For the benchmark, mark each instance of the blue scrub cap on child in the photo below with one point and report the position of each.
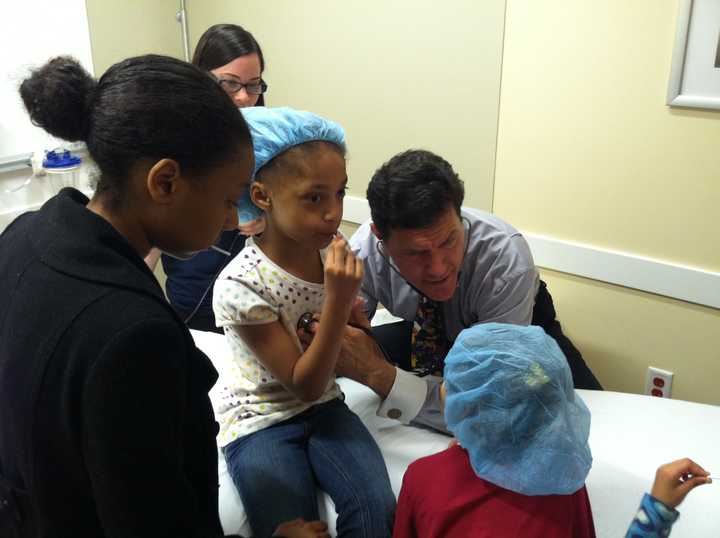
(275, 130)
(511, 404)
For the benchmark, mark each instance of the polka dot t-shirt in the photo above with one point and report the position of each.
(252, 290)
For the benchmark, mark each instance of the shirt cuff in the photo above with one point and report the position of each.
(405, 399)
(667, 514)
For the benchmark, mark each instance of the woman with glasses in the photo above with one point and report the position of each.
(235, 58)
(232, 54)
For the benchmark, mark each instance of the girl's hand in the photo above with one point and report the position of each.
(673, 481)
(299, 528)
(343, 274)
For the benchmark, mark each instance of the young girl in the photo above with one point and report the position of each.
(284, 427)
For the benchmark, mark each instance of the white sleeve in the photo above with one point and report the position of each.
(405, 399)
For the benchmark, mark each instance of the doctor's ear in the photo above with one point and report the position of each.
(375, 231)
(260, 195)
(163, 180)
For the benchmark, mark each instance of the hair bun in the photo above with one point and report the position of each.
(58, 98)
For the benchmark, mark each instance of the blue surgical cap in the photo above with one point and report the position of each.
(275, 130)
(511, 404)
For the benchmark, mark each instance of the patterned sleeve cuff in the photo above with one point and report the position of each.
(654, 519)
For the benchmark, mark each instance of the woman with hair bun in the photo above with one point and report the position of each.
(106, 428)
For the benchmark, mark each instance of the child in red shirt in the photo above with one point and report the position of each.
(522, 459)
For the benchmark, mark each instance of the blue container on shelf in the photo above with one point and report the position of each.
(62, 169)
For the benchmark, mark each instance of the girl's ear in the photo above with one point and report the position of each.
(260, 196)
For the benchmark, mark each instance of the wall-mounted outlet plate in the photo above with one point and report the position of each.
(658, 382)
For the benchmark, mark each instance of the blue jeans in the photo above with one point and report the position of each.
(278, 469)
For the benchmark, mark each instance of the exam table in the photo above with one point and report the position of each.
(630, 436)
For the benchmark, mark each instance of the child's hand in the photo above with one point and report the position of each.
(299, 528)
(673, 481)
(343, 274)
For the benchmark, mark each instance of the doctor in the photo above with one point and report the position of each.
(441, 269)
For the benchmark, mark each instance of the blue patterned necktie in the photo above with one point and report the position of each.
(429, 339)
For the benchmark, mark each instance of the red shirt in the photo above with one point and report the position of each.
(442, 497)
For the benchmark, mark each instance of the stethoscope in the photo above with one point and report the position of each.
(436, 363)
(308, 318)
(387, 259)
(224, 252)
(244, 215)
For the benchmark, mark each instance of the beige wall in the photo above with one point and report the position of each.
(586, 148)
(588, 151)
(123, 28)
(621, 332)
(396, 75)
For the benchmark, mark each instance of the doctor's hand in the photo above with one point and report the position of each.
(299, 528)
(357, 314)
(360, 357)
(673, 481)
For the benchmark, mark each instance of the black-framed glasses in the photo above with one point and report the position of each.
(233, 86)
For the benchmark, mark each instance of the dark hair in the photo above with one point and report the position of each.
(221, 44)
(292, 161)
(143, 107)
(412, 190)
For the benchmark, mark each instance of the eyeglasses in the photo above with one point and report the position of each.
(232, 86)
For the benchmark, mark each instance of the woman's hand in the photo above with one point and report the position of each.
(673, 481)
(299, 528)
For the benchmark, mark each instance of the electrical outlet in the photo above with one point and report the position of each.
(658, 382)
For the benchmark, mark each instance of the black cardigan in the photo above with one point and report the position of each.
(106, 428)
